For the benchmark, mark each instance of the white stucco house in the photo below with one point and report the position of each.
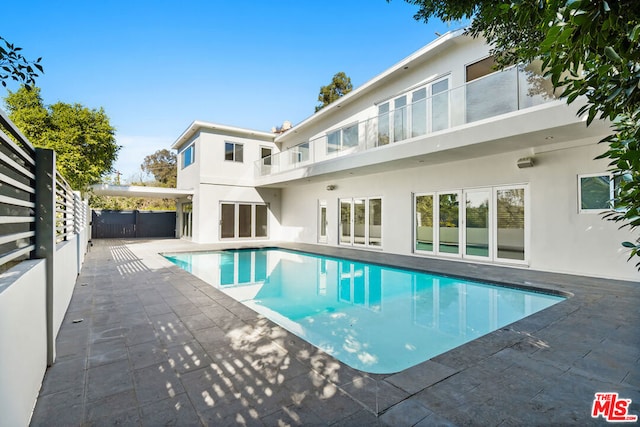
(438, 156)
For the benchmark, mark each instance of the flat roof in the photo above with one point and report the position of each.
(225, 129)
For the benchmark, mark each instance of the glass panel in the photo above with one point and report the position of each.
(424, 223)
(449, 235)
(477, 224)
(492, 95)
(595, 192)
(323, 221)
(350, 136)
(265, 153)
(228, 151)
(303, 150)
(187, 219)
(244, 220)
(228, 226)
(333, 141)
(419, 112)
(383, 124)
(239, 153)
(188, 156)
(261, 220)
(400, 119)
(510, 213)
(440, 105)
(359, 221)
(345, 221)
(375, 222)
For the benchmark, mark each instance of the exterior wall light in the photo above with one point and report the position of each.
(331, 187)
(525, 162)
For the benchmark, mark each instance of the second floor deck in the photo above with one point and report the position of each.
(435, 109)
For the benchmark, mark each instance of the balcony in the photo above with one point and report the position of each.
(513, 89)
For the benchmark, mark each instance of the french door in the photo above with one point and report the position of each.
(361, 221)
(243, 220)
(488, 224)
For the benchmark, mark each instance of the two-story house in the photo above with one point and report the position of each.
(438, 156)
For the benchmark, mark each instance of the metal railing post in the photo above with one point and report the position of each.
(45, 187)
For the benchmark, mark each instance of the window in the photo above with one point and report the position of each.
(480, 68)
(361, 221)
(187, 219)
(595, 192)
(342, 139)
(265, 154)
(383, 124)
(188, 155)
(240, 220)
(233, 152)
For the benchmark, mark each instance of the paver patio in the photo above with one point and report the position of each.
(146, 343)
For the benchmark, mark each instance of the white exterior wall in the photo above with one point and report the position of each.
(206, 212)
(23, 340)
(561, 239)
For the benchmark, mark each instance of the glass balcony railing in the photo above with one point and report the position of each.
(499, 93)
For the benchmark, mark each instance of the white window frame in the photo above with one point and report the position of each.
(366, 244)
(235, 152)
(611, 192)
(189, 150)
(493, 224)
(236, 221)
(341, 147)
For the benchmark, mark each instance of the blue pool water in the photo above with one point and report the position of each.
(373, 318)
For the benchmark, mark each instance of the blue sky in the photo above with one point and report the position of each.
(155, 66)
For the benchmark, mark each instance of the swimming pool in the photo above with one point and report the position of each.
(373, 318)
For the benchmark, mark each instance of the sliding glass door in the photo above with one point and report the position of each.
(485, 224)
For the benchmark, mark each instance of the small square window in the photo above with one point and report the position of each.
(595, 192)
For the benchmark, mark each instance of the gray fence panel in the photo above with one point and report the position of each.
(109, 224)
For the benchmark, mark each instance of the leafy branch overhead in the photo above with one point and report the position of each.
(340, 85)
(591, 51)
(14, 66)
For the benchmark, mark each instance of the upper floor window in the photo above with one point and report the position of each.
(480, 68)
(188, 155)
(233, 151)
(265, 154)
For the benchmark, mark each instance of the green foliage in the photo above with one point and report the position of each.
(82, 138)
(340, 85)
(131, 203)
(14, 66)
(590, 49)
(163, 165)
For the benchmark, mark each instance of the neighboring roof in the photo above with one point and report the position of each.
(197, 125)
(140, 191)
(419, 56)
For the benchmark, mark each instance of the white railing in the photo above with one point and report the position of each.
(499, 93)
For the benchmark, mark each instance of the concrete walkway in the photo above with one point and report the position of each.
(146, 343)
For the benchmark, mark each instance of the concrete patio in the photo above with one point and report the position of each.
(146, 343)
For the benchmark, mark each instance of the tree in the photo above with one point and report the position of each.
(82, 138)
(590, 49)
(163, 166)
(13, 65)
(340, 85)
